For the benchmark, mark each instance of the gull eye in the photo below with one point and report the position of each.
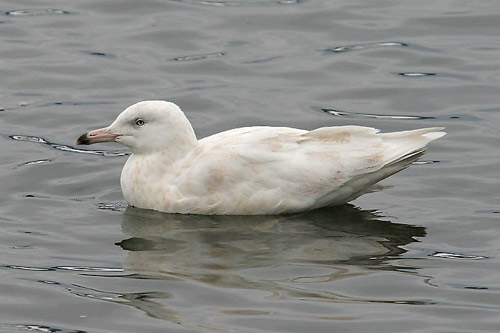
(139, 122)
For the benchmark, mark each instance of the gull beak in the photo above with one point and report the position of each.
(96, 136)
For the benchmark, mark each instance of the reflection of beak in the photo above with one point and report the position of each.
(96, 136)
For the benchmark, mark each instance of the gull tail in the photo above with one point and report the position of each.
(403, 148)
(404, 145)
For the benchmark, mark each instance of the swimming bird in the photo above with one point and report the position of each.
(251, 170)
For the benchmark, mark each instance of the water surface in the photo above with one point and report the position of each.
(418, 256)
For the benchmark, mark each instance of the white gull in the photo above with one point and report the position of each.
(251, 170)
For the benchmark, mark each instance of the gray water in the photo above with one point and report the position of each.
(419, 256)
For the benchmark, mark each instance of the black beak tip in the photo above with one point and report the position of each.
(83, 140)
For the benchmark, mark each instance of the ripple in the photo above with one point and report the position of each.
(89, 269)
(476, 288)
(488, 211)
(340, 113)
(356, 47)
(415, 74)
(84, 291)
(21, 247)
(36, 328)
(27, 268)
(82, 199)
(469, 286)
(35, 196)
(98, 54)
(35, 162)
(65, 268)
(426, 162)
(37, 12)
(197, 57)
(113, 206)
(142, 301)
(411, 302)
(450, 255)
(66, 148)
(34, 233)
(245, 3)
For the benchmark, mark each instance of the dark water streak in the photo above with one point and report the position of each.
(66, 148)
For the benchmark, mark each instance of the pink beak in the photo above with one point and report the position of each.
(96, 136)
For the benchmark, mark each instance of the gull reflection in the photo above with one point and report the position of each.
(279, 255)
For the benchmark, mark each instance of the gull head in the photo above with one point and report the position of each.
(146, 127)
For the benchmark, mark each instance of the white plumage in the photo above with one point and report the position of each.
(251, 170)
